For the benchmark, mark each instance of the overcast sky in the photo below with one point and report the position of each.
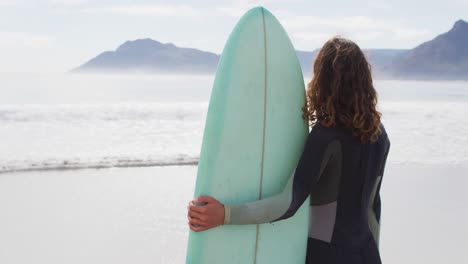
(57, 35)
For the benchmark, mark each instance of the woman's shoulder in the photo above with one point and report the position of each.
(337, 132)
(326, 134)
(330, 131)
(382, 129)
(383, 134)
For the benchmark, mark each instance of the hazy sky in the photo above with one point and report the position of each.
(57, 35)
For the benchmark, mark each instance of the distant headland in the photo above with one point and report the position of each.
(443, 58)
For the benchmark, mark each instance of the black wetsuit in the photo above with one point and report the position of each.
(343, 178)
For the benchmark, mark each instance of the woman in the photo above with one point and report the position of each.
(340, 168)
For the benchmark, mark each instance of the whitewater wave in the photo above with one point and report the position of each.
(108, 162)
(62, 137)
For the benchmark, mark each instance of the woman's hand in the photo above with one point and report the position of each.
(204, 217)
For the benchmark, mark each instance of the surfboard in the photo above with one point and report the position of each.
(254, 136)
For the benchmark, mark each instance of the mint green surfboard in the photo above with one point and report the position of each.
(254, 136)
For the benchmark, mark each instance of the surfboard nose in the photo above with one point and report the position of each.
(256, 13)
(258, 10)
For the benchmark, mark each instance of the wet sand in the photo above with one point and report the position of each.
(137, 215)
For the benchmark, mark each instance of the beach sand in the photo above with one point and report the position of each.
(138, 215)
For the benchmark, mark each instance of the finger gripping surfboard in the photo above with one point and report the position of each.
(254, 136)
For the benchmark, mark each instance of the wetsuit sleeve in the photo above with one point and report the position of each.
(285, 204)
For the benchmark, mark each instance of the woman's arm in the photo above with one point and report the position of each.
(261, 211)
(315, 156)
(313, 161)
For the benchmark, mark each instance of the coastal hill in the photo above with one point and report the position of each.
(147, 55)
(444, 57)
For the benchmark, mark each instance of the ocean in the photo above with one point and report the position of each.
(84, 174)
(97, 121)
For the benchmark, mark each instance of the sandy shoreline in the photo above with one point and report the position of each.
(137, 215)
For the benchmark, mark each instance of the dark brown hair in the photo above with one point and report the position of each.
(341, 91)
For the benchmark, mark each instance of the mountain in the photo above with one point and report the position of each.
(444, 57)
(148, 55)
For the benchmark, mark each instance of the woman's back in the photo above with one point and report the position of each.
(345, 200)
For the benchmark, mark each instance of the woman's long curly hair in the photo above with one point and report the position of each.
(341, 91)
